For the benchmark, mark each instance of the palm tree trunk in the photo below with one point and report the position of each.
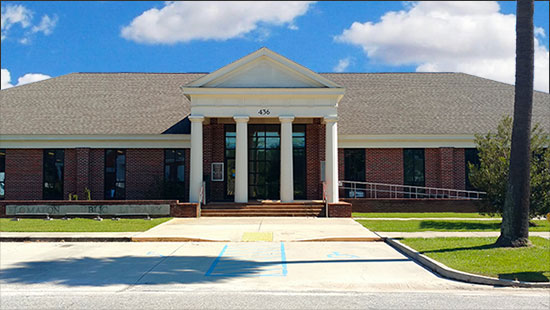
(515, 218)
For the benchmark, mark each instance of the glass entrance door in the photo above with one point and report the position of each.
(264, 146)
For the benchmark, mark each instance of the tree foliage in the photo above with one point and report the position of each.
(491, 175)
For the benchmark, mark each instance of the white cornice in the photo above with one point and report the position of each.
(263, 91)
(263, 52)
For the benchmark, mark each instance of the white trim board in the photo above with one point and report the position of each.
(406, 141)
(184, 141)
(94, 141)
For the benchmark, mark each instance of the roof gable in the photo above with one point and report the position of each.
(263, 69)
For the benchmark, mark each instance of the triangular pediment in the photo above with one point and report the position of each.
(263, 69)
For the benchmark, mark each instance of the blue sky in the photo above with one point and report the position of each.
(49, 39)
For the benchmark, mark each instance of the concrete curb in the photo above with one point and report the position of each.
(339, 239)
(173, 239)
(452, 274)
(65, 239)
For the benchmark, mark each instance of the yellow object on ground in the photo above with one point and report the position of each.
(257, 236)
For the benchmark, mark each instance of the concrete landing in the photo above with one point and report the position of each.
(282, 229)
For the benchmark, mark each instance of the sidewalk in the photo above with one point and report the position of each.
(439, 234)
(236, 229)
(220, 229)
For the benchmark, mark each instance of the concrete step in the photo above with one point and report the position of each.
(260, 214)
(220, 212)
(265, 209)
(216, 207)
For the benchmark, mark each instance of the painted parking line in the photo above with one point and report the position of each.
(250, 260)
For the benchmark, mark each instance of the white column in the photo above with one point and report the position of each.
(331, 158)
(287, 178)
(241, 159)
(195, 179)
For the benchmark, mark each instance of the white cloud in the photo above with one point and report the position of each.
(46, 25)
(342, 65)
(25, 79)
(5, 79)
(14, 14)
(18, 14)
(471, 37)
(31, 78)
(186, 21)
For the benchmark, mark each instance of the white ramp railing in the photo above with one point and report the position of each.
(356, 189)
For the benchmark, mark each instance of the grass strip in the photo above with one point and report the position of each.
(419, 215)
(79, 225)
(443, 225)
(480, 256)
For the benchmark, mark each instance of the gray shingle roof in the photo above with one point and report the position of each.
(152, 103)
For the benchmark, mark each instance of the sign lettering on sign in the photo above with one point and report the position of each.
(264, 112)
(160, 209)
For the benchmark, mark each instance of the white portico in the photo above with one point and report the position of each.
(259, 87)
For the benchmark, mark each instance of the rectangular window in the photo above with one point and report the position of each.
(230, 145)
(354, 170)
(299, 160)
(2, 173)
(174, 165)
(471, 156)
(413, 160)
(54, 164)
(322, 171)
(115, 174)
(174, 174)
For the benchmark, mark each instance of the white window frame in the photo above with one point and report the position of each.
(212, 177)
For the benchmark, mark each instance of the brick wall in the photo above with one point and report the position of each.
(24, 174)
(447, 167)
(144, 173)
(384, 166)
(459, 169)
(96, 176)
(313, 161)
(432, 167)
(413, 205)
(184, 210)
(82, 171)
(215, 155)
(85, 167)
(339, 209)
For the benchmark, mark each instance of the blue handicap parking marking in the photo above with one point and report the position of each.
(250, 260)
(341, 255)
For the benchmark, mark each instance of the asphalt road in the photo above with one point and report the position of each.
(255, 275)
(277, 300)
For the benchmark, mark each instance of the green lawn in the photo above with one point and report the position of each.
(442, 225)
(419, 214)
(479, 256)
(79, 225)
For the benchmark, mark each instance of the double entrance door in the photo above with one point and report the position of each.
(264, 161)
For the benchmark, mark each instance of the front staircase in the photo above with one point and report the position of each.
(304, 209)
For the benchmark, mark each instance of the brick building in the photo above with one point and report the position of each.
(262, 127)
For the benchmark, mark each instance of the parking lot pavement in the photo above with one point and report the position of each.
(242, 266)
